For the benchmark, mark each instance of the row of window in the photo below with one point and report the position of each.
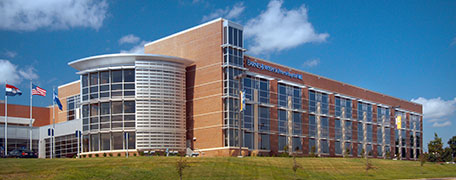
(108, 115)
(264, 126)
(232, 36)
(108, 141)
(106, 77)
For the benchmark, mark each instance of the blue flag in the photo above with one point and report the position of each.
(57, 100)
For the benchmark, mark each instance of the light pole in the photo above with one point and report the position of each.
(239, 78)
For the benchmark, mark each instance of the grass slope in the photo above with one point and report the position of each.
(218, 168)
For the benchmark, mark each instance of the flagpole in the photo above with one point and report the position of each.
(53, 121)
(31, 101)
(6, 122)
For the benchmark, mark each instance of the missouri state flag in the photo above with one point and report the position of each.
(12, 91)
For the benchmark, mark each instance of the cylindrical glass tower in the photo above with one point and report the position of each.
(139, 97)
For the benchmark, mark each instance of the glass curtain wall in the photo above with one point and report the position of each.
(108, 104)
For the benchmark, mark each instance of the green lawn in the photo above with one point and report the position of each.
(218, 168)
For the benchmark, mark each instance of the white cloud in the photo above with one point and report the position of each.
(11, 73)
(311, 63)
(25, 15)
(138, 49)
(277, 29)
(444, 124)
(10, 54)
(228, 13)
(131, 39)
(436, 108)
(28, 73)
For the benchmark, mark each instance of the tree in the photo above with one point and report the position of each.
(312, 151)
(180, 166)
(347, 152)
(296, 165)
(423, 158)
(435, 148)
(452, 144)
(447, 154)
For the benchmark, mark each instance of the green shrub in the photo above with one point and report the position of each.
(96, 155)
(141, 153)
(104, 154)
(118, 154)
(134, 154)
(110, 154)
(84, 156)
(90, 155)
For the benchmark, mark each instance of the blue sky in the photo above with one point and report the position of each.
(405, 49)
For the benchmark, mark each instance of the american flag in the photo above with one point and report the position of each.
(38, 91)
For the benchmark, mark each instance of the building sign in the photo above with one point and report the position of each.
(273, 69)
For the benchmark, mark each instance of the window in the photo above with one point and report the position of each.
(283, 122)
(94, 142)
(324, 146)
(116, 76)
(312, 126)
(94, 78)
(396, 135)
(379, 151)
(264, 141)
(129, 75)
(360, 132)
(369, 132)
(72, 105)
(116, 107)
(93, 109)
(85, 143)
(418, 139)
(264, 91)
(403, 135)
(315, 97)
(360, 150)
(105, 141)
(282, 142)
(348, 148)
(286, 91)
(364, 108)
(131, 140)
(129, 106)
(369, 150)
(248, 140)
(105, 108)
(348, 130)
(248, 117)
(338, 147)
(117, 141)
(312, 146)
(337, 129)
(297, 125)
(297, 144)
(343, 105)
(379, 135)
(324, 127)
(85, 80)
(383, 112)
(263, 119)
(387, 136)
(104, 77)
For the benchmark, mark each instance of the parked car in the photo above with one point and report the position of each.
(22, 153)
